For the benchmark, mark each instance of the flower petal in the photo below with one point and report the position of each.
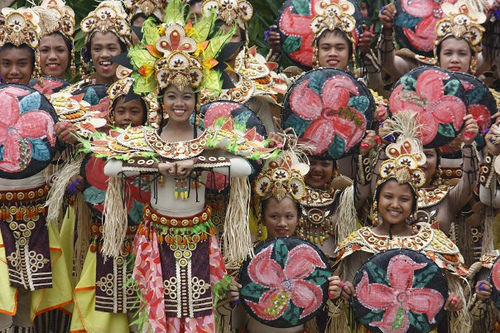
(267, 307)
(265, 271)
(305, 102)
(427, 301)
(218, 110)
(36, 124)
(307, 296)
(319, 135)
(302, 260)
(403, 100)
(429, 127)
(418, 8)
(400, 272)
(430, 85)
(336, 91)
(375, 296)
(395, 320)
(12, 161)
(424, 35)
(350, 131)
(449, 109)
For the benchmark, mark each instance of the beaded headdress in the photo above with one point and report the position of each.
(146, 7)
(177, 53)
(331, 15)
(462, 21)
(124, 87)
(405, 156)
(109, 16)
(230, 11)
(19, 26)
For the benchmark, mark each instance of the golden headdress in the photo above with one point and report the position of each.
(109, 16)
(19, 26)
(146, 7)
(335, 14)
(177, 53)
(230, 11)
(405, 156)
(125, 87)
(463, 20)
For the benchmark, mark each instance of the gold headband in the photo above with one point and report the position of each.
(19, 26)
(335, 15)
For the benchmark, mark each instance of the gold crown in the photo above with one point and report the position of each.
(230, 11)
(333, 15)
(122, 88)
(109, 16)
(146, 7)
(61, 18)
(19, 26)
(461, 21)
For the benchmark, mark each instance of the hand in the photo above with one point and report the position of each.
(348, 290)
(453, 303)
(483, 290)
(275, 140)
(490, 138)
(368, 143)
(75, 184)
(470, 129)
(233, 294)
(380, 114)
(184, 168)
(365, 40)
(386, 17)
(274, 39)
(335, 285)
(64, 132)
(167, 169)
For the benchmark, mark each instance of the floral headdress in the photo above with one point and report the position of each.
(462, 21)
(55, 16)
(21, 26)
(124, 87)
(230, 11)
(109, 16)
(177, 53)
(146, 7)
(405, 156)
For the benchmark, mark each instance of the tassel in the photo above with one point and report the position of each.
(115, 218)
(346, 214)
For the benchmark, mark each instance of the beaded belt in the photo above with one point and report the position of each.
(23, 205)
(97, 230)
(179, 230)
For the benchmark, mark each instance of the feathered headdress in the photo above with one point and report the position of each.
(463, 20)
(177, 53)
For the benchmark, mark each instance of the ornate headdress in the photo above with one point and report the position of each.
(333, 15)
(109, 16)
(462, 21)
(178, 54)
(405, 156)
(55, 16)
(146, 7)
(230, 11)
(124, 87)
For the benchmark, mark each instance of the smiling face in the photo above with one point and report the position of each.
(455, 55)
(431, 163)
(179, 105)
(320, 173)
(395, 202)
(333, 50)
(128, 113)
(54, 55)
(103, 47)
(16, 64)
(280, 217)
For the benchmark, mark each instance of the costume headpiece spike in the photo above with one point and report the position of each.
(146, 7)
(230, 11)
(56, 16)
(19, 26)
(333, 14)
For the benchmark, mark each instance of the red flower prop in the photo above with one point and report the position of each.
(430, 103)
(330, 113)
(399, 298)
(288, 284)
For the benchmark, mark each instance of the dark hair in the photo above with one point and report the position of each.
(438, 48)
(139, 15)
(85, 52)
(219, 23)
(415, 195)
(143, 104)
(335, 32)
(10, 46)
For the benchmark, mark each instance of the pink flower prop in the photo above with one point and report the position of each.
(286, 284)
(425, 32)
(399, 298)
(330, 113)
(430, 104)
(16, 128)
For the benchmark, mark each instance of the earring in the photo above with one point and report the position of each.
(315, 57)
(473, 64)
(73, 65)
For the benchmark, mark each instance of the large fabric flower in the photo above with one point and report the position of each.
(426, 97)
(399, 298)
(330, 113)
(22, 126)
(430, 13)
(286, 284)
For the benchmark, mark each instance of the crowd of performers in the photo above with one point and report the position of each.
(347, 181)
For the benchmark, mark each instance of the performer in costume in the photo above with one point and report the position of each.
(33, 268)
(395, 201)
(139, 11)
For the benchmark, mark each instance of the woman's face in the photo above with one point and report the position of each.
(395, 202)
(455, 55)
(16, 65)
(430, 164)
(103, 47)
(129, 113)
(333, 51)
(280, 217)
(138, 22)
(54, 55)
(179, 105)
(320, 173)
